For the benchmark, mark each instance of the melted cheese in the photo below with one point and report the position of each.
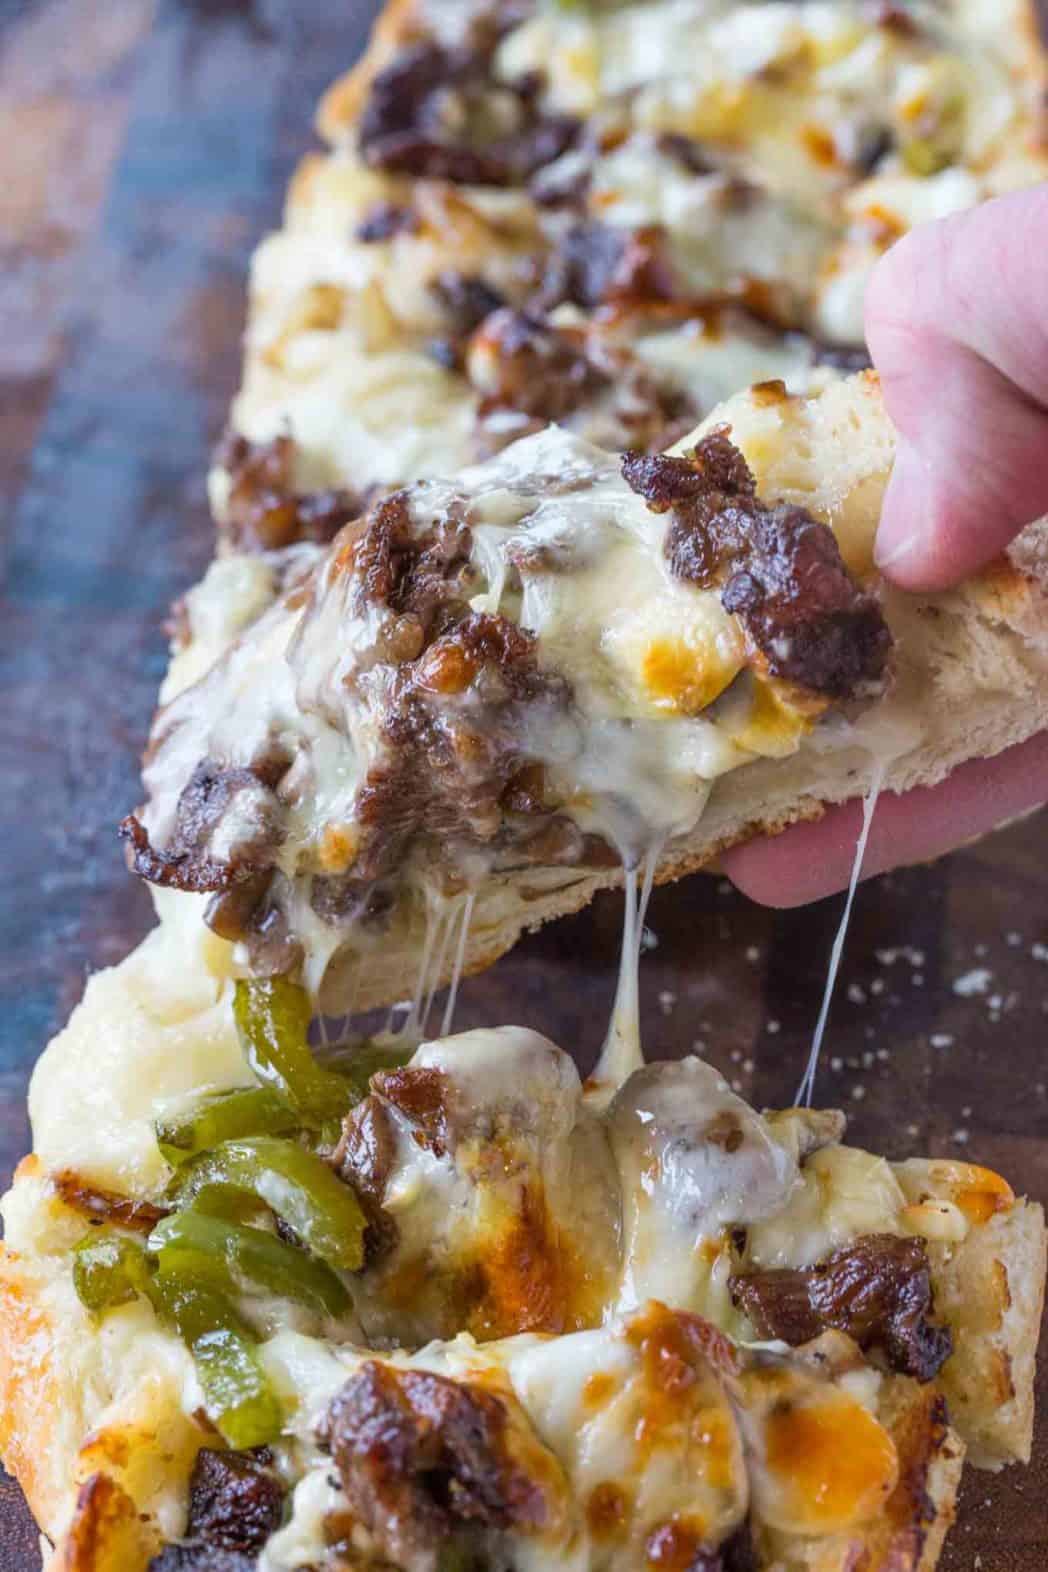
(507, 1219)
(806, 1090)
(693, 1161)
(826, 1464)
(150, 1036)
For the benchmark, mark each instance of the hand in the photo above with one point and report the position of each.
(957, 324)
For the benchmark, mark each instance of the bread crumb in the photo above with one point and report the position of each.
(773, 1027)
(856, 994)
(667, 999)
(973, 982)
(858, 1093)
(941, 1039)
(649, 940)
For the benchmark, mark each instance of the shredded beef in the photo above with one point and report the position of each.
(104, 1206)
(778, 569)
(421, 1457)
(264, 512)
(421, 581)
(598, 264)
(451, 720)
(582, 266)
(187, 863)
(195, 1556)
(465, 301)
(686, 151)
(522, 362)
(441, 114)
(877, 1290)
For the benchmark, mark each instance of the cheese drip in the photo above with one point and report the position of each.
(622, 1052)
(806, 1090)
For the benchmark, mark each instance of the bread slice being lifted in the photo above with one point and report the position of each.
(496, 691)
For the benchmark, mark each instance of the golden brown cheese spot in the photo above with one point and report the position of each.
(679, 679)
(713, 1430)
(764, 394)
(517, 1272)
(339, 844)
(680, 1395)
(599, 1389)
(608, 1511)
(675, 1546)
(978, 1192)
(819, 145)
(832, 1464)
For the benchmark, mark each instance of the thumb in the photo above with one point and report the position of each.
(957, 320)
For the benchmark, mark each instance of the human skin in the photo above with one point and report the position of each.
(957, 324)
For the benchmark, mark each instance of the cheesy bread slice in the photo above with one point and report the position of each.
(579, 1332)
(612, 216)
(493, 693)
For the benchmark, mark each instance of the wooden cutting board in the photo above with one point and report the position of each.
(144, 150)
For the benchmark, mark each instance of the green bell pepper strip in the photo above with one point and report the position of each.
(272, 1017)
(237, 1395)
(200, 1249)
(250, 1110)
(360, 1064)
(109, 1270)
(295, 1184)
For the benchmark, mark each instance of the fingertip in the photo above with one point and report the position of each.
(802, 864)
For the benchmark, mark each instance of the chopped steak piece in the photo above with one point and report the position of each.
(521, 362)
(440, 114)
(598, 264)
(236, 1502)
(581, 268)
(778, 569)
(420, 1456)
(877, 1290)
(263, 510)
(195, 1556)
(235, 1499)
(465, 300)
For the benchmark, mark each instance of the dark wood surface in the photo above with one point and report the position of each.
(143, 150)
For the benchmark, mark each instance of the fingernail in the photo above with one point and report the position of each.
(886, 553)
(903, 529)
